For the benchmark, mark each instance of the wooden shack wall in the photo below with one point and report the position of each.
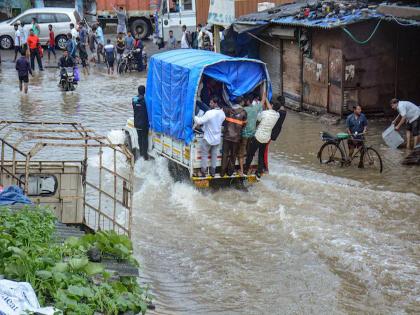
(387, 66)
(369, 69)
(315, 69)
(407, 84)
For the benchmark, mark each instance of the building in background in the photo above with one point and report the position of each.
(11, 8)
(241, 7)
(328, 59)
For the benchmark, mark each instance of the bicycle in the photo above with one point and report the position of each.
(334, 152)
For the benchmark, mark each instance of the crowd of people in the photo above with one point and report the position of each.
(201, 38)
(84, 45)
(246, 126)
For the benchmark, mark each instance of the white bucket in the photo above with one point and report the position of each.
(392, 138)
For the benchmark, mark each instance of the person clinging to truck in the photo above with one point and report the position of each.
(276, 129)
(211, 123)
(268, 119)
(409, 114)
(252, 107)
(141, 120)
(236, 118)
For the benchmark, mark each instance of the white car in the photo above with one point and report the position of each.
(59, 18)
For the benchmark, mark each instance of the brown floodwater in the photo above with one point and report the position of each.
(305, 240)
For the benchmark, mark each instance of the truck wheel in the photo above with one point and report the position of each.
(177, 172)
(141, 27)
(129, 145)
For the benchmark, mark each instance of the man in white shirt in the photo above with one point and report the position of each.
(185, 43)
(409, 114)
(18, 41)
(211, 123)
(268, 119)
(73, 31)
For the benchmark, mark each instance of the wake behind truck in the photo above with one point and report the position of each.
(175, 81)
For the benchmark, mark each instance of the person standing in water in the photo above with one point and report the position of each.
(23, 68)
(51, 43)
(110, 56)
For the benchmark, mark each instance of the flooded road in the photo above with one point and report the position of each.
(305, 240)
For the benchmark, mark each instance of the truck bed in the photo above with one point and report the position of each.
(187, 157)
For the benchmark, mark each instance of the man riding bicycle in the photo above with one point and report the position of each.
(356, 127)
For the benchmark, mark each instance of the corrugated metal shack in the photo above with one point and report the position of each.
(330, 55)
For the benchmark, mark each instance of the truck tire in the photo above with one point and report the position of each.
(128, 144)
(142, 27)
(177, 172)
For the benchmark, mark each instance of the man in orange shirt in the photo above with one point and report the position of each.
(33, 45)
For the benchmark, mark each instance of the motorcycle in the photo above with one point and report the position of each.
(67, 79)
(128, 61)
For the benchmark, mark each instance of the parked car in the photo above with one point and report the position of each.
(59, 18)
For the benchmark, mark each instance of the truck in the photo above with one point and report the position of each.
(174, 84)
(146, 16)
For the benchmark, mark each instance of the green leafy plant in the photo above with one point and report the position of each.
(63, 276)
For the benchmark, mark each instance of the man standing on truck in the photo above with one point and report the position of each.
(253, 108)
(268, 119)
(141, 121)
(235, 122)
(276, 130)
(122, 18)
(211, 123)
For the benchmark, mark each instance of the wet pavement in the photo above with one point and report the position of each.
(305, 240)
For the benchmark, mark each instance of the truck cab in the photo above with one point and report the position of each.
(174, 14)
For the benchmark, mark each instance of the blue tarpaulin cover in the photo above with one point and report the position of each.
(173, 79)
(12, 195)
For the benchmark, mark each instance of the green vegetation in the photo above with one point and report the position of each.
(62, 275)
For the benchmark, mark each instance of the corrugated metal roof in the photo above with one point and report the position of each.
(274, 13)
(291, 15)
(329, 22)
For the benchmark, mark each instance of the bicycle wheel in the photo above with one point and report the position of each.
(372, 160)
(331, 154)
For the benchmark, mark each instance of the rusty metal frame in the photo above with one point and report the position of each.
(67, 135)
